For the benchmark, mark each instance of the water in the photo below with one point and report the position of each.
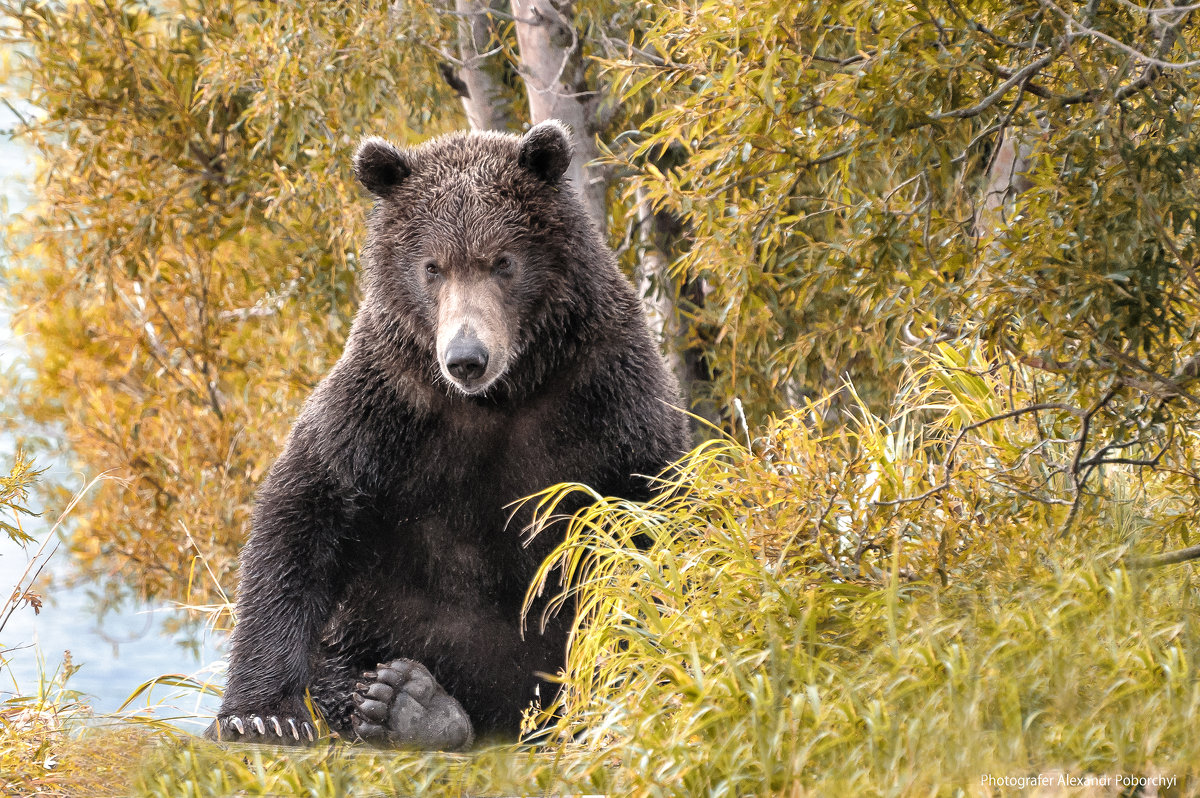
(125, 648)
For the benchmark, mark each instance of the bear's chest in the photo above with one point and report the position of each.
(452, 517)
(474, 461)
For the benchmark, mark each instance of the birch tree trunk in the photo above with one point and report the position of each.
(477, 76)
(555, 78)
(1006, 179)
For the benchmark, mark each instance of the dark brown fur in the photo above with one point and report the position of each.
(383, 529)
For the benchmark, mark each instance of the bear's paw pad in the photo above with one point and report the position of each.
(400, 704)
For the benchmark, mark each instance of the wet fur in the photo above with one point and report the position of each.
(383, 529)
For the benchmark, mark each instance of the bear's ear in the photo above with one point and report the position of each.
(379, 166)
(546, 150)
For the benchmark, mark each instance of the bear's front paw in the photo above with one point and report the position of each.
(272, 728)
(401, 704)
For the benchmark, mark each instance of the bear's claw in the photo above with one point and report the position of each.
(400, 704)
(253, 729)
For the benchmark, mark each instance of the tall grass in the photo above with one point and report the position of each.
(37, 753)
(818, 689)
(790, 630)
(889, 606)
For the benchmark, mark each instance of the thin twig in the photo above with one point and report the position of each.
(949, 466)
(1081, 30)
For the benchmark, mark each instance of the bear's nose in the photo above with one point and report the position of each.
(466, 358)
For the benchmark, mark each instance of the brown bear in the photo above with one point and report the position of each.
(497, 351)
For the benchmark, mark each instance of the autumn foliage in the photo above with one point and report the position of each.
(929, 270)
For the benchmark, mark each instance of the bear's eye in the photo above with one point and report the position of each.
(503, 266)
(432, 269)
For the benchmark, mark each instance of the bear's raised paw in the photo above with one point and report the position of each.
(401, 705)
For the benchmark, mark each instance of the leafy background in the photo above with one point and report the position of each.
(927, 273)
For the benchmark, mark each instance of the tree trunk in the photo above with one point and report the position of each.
(476, 80)
(665, 300)
(554, 73)
(1006, 179)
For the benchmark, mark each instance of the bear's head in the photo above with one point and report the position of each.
(472, 243)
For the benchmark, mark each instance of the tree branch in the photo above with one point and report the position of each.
(1081, 30)
(1166, 558)
(1019, 77)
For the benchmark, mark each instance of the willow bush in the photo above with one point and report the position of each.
(817, 615)
(861, 177)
